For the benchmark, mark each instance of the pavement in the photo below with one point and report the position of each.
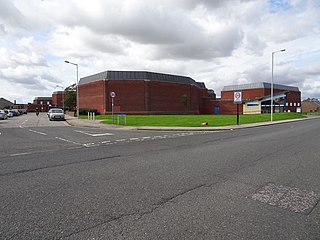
(73, 121)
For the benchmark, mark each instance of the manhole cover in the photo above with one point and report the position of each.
(293, 199)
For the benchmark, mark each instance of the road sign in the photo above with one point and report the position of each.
(237, 97)
(112, 94)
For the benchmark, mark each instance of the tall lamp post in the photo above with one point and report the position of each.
(271, 101)
(77, 85)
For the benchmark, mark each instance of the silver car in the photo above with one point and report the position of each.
(56, 114)
(3, 115)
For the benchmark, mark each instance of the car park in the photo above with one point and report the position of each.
(3, 115)
(56, 114)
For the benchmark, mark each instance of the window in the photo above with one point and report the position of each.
(291, 104)
(41, 102)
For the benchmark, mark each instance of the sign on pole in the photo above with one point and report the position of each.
(112, 95)
(237, 97)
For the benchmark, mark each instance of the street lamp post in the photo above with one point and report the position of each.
(77, 85)
(271, 100)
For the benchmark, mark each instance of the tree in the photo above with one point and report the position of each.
(70, 97)
(185, 100)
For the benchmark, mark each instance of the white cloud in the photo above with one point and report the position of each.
(216, 42)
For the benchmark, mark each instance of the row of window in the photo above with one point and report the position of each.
(293, 104)
(41, 102)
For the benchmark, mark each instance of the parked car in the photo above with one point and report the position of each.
(9, 113)
(22, 111)
(15, 112)
(56, 114)
(3, 115)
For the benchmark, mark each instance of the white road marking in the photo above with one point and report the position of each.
(37, 132)
(24, 121)
(94, 134)
(69, 141)
(145, 138)
(121, 140)
(19, 154)
(134, 139)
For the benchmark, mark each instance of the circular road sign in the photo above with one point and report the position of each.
(112, 94)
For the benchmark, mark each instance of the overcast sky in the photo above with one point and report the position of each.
(218, 42)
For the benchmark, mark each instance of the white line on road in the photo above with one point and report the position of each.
(134, 139)
(37, 132)
(19, 154)
(94, 134)
(69, 141)
(24, 121)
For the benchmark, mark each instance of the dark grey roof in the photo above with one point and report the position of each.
(140, 75)
(259, 85)
(5, 103)
(43, 98)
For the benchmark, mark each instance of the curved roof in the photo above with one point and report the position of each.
(140, 75)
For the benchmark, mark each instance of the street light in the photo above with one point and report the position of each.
(282, 50)
(77, 85)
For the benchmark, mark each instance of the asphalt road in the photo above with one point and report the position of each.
(62, 182)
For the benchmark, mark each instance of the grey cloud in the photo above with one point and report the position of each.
(2, 29)
(203, 46)
(11, 15)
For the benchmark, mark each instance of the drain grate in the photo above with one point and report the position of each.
(293, 199)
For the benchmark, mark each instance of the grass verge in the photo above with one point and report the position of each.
(195, 120)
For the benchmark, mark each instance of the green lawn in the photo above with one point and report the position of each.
(195, 120)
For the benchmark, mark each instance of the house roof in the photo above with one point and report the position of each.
(43, 98)
(4, 103)
(140, 75)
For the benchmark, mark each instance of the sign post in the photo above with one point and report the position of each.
(112, 95)
(237, 98)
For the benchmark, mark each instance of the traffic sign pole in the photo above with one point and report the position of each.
(237, 98)
(112, 95)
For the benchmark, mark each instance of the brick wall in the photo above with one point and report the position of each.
(142, 96)
(91, 95)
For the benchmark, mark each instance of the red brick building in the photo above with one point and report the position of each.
(311, 105)
(42, 103)
(140, 92)
(57, 99)
(256, 98)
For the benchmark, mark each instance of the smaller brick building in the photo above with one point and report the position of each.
(42, 103)
(256, 98)
(311, 105)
